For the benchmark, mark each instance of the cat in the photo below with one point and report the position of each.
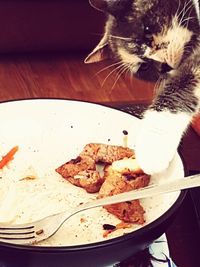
(162, 36)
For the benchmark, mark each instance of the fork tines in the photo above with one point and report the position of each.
(16, 233)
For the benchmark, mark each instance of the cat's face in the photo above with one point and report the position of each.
(139, 32)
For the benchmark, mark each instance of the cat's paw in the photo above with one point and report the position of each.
(153, 152)
(158, 140)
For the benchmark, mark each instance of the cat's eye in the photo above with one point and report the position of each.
(148, 35)
(148, 32)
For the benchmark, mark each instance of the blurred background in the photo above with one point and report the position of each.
(42, 48)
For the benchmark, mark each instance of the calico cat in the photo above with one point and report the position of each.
(163, 36)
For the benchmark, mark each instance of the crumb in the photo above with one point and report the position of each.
(39, 232)
(121, 225)
(125, 132)
(108, 226)
(82, 220)
(28, 177)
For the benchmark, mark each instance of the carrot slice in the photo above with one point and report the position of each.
(8, 157)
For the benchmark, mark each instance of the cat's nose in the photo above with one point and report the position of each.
(147, 71)
(165, 68)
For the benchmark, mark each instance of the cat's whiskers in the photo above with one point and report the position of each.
(109, 66)
(158, 86)
(175, 49)
(130, 69)
(177, 11)
(114, 70)
(184, 7)
(187, 20)
(131, 76)
(120, 72)
(187, 47)
(120, 37)
(187, 6)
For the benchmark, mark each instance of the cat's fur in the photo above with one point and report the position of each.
(159, 38)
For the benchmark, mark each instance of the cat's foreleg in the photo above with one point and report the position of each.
(166, 120)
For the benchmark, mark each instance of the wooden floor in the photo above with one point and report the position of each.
(25, 76)
(66, 76)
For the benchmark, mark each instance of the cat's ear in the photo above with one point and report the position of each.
(101, 5)
(100, 53)
(112, 7)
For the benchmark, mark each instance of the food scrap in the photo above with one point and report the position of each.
(125, 138)
(82, 220)
(28, 178)
(107, 226)
(39, 232)
(8, 157)
(111, 228)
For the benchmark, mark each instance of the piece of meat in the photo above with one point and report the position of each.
(122, 180)
(82, 172)
(106, 153)
(118, 182)
(74, 166)
(130, 211)
(86, 162)
(90, 180)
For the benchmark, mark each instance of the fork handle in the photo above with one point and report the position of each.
(167, 187)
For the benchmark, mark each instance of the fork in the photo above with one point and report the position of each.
(32, 233)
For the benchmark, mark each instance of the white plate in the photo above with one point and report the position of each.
(50, 132)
